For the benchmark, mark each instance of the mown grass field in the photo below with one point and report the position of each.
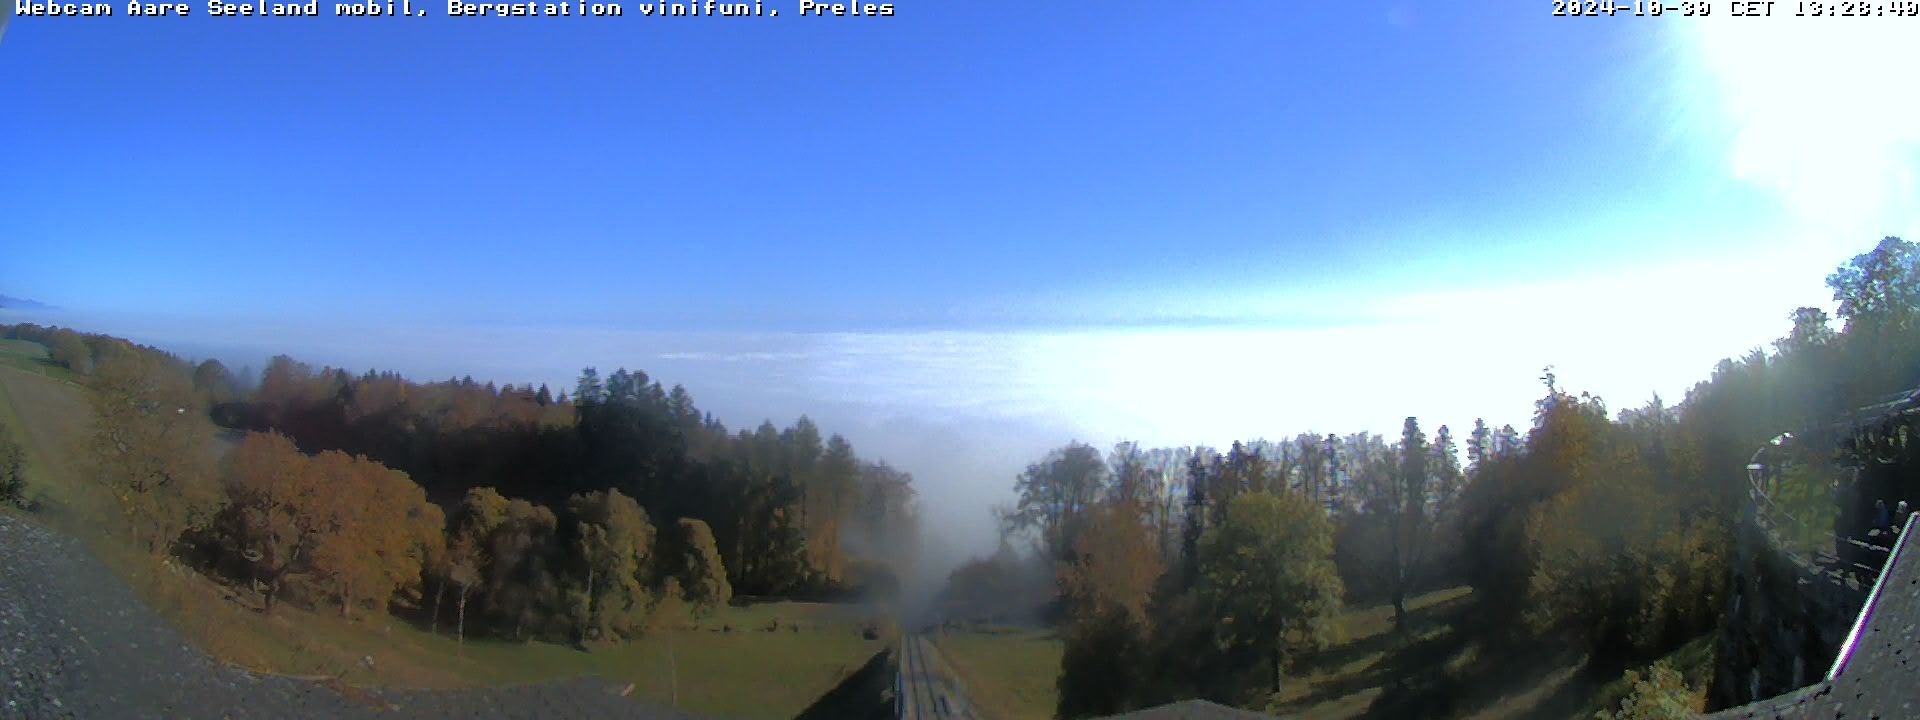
(728, 664)
(1009, 672)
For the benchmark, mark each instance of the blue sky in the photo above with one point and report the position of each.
(956, 163)
(1006, 224)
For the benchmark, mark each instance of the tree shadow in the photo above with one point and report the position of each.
(1455, 659)
(1448, 614)
(1406, 666)
(1429, 682)
(863, 695)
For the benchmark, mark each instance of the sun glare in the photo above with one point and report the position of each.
(1819, 111)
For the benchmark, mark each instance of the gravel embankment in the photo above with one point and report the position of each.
(76, 643)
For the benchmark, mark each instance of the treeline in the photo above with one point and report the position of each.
(1189, 572)
(1184, 572)
(372, 492)
(341, 529)
(784, 505)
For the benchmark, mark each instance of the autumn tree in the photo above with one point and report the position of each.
(613, 544)
(1108, 584)
(269, 492)
(702, 576)
(68, 350)
(1622, 553)
(427, 531)
(788, 511)
(1114, 565)
(370, 524)
(148, 444)
(1267, 575)
(832, 493)
(1660, 693)
(343, 526)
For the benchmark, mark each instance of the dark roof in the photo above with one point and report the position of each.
(1190, 710)
(1881, 671)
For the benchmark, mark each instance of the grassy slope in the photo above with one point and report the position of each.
(1009, 673)
(47, 416)
(746, 672)
(1349, 679)
(31, 357)
(1346, 680)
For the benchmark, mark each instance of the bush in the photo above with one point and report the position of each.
(670, 608)
(1660, 694)
(13, 470)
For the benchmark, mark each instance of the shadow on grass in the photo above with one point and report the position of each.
(1430, 680)
(1449, 664)
(863, 695)
(1421, 621)
(1433, 636)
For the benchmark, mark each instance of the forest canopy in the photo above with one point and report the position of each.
(560, 515)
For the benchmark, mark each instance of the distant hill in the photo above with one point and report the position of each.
(8, 301)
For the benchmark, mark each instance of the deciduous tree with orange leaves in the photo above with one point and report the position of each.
(346, 527)
(267, 488)
(370, 523)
